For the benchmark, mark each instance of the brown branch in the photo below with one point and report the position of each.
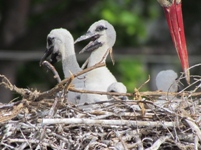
(148, 93)
(52, 68)
(100, 92)
(26, 93)
(35, 95)
(85, 64)
(111, 56)
(60, 86)
(68, 85)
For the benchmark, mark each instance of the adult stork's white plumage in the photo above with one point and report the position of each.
(60, 45)
(103, 37)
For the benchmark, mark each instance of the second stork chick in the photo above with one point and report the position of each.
(117, 87)
(60, 45)
(103, 36)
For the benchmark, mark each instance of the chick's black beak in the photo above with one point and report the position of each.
(86, 36)
(93, 44)
(48, 52)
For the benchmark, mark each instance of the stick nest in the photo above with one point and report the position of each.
(154, 120)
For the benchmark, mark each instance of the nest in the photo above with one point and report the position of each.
(153, 120)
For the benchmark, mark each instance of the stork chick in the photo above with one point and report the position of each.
(117, 87)
(166, 81)
(103, 37)
(60, 46)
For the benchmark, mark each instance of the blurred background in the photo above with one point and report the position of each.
(143, 46)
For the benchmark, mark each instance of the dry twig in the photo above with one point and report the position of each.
(109, 122)
(49, 66)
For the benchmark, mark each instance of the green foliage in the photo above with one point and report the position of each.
(129, 18)
(133, 75)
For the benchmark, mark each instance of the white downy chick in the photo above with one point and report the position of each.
(60, 46)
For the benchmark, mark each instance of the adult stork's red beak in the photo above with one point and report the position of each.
(173, 13)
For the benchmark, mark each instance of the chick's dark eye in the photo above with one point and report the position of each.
(100, 28)
(49, 41)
